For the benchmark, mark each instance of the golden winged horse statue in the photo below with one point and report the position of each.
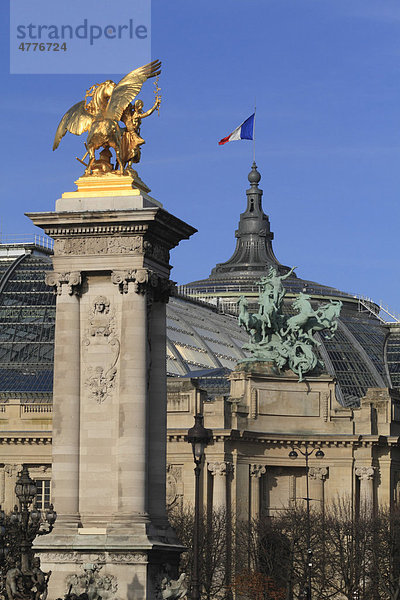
(100, 116)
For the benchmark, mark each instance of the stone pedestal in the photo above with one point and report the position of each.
(274, 408)
(111, 277)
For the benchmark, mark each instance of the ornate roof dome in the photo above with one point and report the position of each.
(360, 355)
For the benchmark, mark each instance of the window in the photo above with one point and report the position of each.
(43, 487)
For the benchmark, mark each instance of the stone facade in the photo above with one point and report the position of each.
(254, 430)
(264, 417)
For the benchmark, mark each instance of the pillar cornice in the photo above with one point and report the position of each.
(70, 282)
(143, 281)
(222, 468)
(320, 473)
(365, 473)
(257, 470)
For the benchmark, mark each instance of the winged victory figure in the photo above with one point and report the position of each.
(100, 116)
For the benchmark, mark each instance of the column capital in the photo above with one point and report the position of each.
(220, 468)
(365, 473)
(257, 470)
(144, 280)
(12, 469)
(72, 282)
(318, 473)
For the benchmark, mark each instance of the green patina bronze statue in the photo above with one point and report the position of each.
(288, 342)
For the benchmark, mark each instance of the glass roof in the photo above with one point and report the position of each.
(393, 356)
(199, 339)
(27, 314)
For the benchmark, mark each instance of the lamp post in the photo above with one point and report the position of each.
(199, 437)
(28, 522)
(307, 453)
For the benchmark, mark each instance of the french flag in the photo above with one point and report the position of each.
(243, 132)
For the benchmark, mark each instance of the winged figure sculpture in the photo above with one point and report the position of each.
(104, 106)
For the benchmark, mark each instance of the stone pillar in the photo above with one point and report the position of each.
(256, 473)
(66, 388)
(132, 443)
(11, 473)
(292, 491)
(318, 476)
(158, 295)
(366, 477)
(220, 471)
(2, 485)
(109, 430)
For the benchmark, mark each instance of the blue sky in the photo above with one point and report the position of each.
(325, 75)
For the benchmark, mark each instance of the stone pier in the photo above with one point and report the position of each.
(111, 277)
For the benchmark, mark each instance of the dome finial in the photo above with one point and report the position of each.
(254, 176)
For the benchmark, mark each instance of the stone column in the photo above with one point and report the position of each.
(2, 485)
(318, 476)
(220, 471)
(366, 477)
(256, 472)
(11, 473)
(113, 231)
(132, 444)
(158, 294)
(66, 395)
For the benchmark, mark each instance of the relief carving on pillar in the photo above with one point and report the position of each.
(253, 403)
(59, 557)
(174, 487)
(157, 252)
(71, 280)
(325, 406)
(101, 344)
(220, 468)
(92, 583)
(318, 473)
(131, 244)
(257, 470)
(128, 557)
(365, 473)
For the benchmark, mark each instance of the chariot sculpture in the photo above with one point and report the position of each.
(286, 341)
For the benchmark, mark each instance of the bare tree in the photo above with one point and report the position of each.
(386, 553)
(213, 550)
(354, 554)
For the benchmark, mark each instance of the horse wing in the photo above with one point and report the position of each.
(76, 120)
(129, 87)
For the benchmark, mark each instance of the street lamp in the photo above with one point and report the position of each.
(28, 522)
(307, 453)
(199, 437)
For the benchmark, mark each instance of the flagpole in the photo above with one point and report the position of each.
(254, 133)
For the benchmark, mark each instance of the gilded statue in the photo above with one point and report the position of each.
(100, 113)
(131, 140)
(287, 342)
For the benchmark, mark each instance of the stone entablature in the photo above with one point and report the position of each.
(264, 401)
(121, 238)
